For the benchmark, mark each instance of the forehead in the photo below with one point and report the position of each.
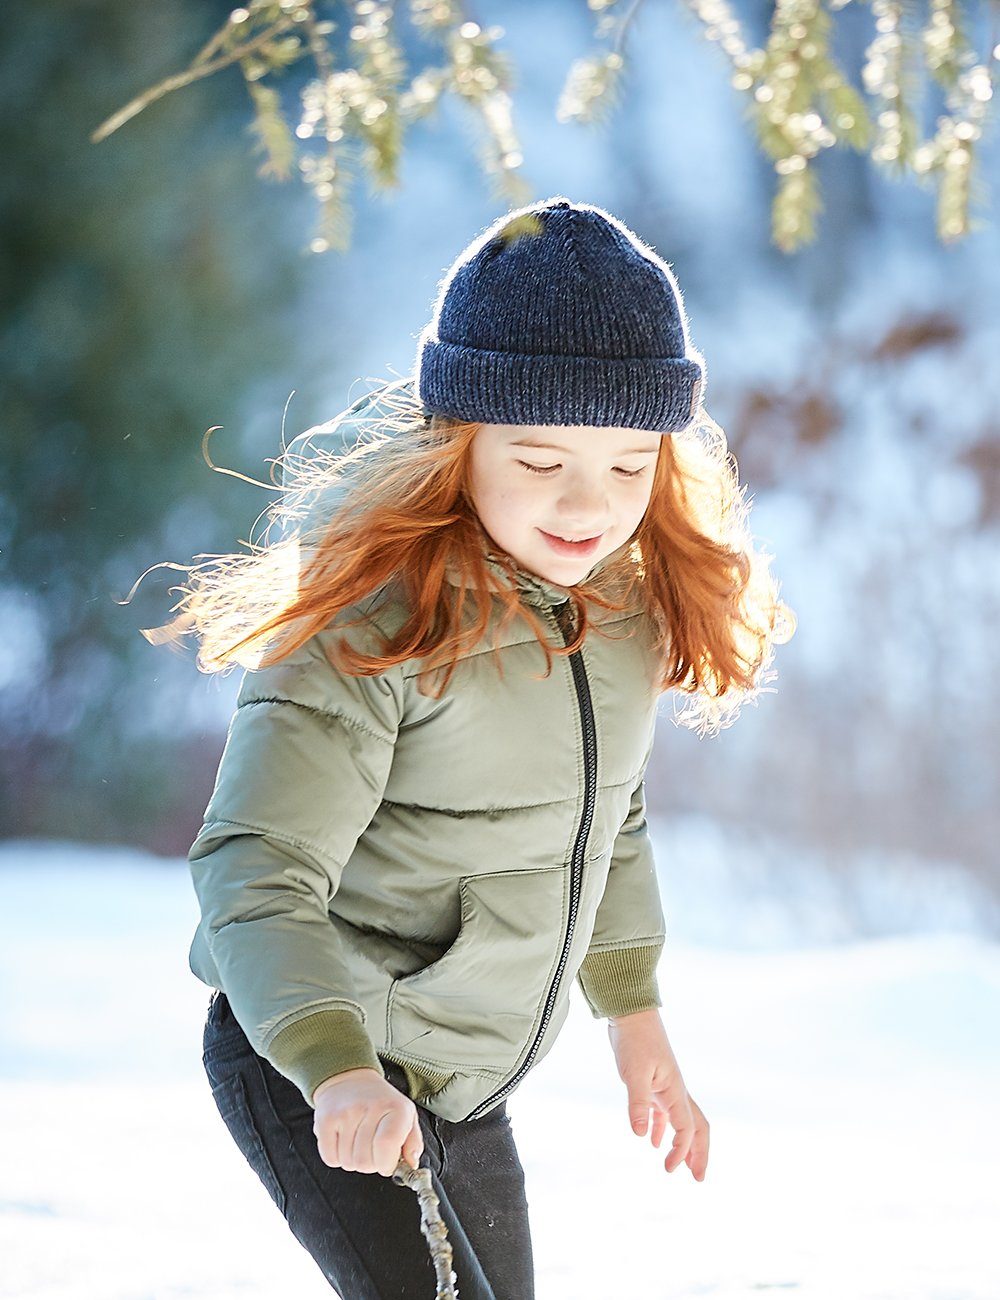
(572, 438)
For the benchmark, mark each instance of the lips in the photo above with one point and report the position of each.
(563, 547)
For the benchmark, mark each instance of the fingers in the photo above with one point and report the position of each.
(639, 1117)
(690, 1142)
(362, 1154)
(371, 1139)
(697, 1156)
(413, 1147)
(679, 1148)
(378, 1140)
(328, 1142)
(659, 1127)
(398, 1138)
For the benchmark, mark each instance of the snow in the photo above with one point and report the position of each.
(841, 1040)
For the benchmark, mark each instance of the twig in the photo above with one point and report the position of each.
(432, 1226)
(180, 79)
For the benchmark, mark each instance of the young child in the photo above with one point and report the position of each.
(429, 816)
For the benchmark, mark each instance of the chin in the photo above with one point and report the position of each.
(567, 575)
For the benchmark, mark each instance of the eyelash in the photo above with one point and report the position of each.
(546, 469)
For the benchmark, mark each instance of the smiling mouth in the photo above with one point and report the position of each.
(568, 545)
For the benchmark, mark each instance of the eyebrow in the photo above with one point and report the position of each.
(548, 446)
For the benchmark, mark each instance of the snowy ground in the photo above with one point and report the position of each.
(850, 1083)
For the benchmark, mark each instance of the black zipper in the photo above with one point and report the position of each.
(579, 848)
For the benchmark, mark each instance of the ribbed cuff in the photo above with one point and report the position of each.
(621, 981)
(315, 1047)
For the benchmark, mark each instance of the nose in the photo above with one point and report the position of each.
(583, 505)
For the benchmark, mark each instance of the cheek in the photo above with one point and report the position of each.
(497, 509)
(511, 498)
(637, 501)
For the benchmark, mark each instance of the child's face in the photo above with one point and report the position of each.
(573, 482)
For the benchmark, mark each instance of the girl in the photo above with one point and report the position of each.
(429, 816)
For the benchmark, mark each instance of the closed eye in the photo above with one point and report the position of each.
(550, 469)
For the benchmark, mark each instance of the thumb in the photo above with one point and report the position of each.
(414, 1144)
(638, 1111)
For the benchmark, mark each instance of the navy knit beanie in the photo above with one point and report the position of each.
(580, 324)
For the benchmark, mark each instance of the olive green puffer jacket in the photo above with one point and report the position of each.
(387, 876)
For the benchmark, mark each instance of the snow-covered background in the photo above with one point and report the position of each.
(828, 864)
(844, 1049)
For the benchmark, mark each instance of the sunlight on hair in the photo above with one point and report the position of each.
(713, 501)
(379, 498)
(248, 591)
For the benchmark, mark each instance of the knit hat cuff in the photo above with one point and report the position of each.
(656, 393)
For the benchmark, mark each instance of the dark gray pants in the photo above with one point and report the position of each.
(363, 1230)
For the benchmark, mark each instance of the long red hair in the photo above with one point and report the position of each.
(403, 514)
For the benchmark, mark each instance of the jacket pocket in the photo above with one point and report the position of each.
(476, 1006)
(232, 1098)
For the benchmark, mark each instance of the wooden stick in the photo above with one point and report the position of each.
(432, 1226)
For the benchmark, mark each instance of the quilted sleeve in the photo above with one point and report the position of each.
(618, 974)
(304, 768)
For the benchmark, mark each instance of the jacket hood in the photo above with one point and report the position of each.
(344, 428)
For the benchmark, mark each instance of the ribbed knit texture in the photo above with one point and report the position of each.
(621, 981)
(616, 982)
(421, 1080)
(316, 1046)
(582, 323)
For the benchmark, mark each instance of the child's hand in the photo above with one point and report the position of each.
(648, 1069)
(365, 1124)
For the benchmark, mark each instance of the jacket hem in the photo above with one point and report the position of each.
(422, 1081)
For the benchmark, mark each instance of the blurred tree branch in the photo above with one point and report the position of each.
(799, 100)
